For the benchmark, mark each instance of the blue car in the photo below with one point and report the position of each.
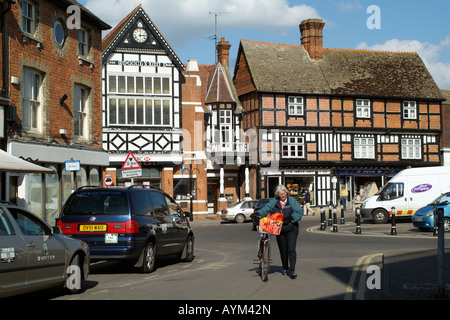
(424, 217)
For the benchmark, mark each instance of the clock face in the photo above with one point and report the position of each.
(140, 35)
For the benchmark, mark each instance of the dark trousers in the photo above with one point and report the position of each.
(287, 243)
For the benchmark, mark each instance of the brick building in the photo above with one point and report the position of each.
(53, 113)
(327, 117)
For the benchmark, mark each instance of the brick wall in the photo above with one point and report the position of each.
(62, 69)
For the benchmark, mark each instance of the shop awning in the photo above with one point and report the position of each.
(11, 163)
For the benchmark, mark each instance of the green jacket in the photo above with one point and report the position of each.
(292, 208)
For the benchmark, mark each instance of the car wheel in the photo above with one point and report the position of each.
(189, 249)
(240, 218)
(380, 216)
(149, 258)
(75, 275)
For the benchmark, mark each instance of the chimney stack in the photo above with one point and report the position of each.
(223, 52)
(312, 37)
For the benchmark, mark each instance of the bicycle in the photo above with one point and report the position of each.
(264, 257)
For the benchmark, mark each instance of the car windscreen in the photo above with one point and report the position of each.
(97, 202)
(442, 200)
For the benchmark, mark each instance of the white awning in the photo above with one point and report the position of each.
(11, 163)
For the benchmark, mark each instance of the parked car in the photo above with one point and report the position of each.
(35, 256)
(259, 205)
(240, 212)
(424, 217)
(134, 224)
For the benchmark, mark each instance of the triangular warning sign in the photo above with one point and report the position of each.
(131, 162)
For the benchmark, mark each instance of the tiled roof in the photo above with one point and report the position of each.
(288, 68)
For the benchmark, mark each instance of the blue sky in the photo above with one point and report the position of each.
(405, 25)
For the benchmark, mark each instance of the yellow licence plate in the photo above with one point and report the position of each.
(93, 228)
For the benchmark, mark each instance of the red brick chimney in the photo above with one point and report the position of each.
(223, 52)
(312, 37)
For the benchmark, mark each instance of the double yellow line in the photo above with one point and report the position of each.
(360, 268)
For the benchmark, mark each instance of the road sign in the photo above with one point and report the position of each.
(131, 162)
(131, 173)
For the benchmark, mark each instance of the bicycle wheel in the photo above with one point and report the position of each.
(265, 261)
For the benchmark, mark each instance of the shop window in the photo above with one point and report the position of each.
(94, 177)
(181, 189)
(52, 196)
(34, 194)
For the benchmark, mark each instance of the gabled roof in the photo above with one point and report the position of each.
(288, 68)
(119, 37)
(220, 87)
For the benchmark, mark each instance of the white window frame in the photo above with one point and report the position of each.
(83, 42)
(28, 17)
(296, 106)
(139, 102)
(294, 146)
(411, 148)
(410, 110)
(364, 147)
(81, 112)
(363, 108)
(32, 100)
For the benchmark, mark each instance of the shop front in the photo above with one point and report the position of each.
(45, 194)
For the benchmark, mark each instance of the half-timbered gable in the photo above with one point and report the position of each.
(344, 112)
(142, 78)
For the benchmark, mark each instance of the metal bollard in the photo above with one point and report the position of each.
(330, 219)
(441, 254)
(358, 220)
(393, 225)
(435, 220)
(323, 223)
(342, 215)
(335, 227)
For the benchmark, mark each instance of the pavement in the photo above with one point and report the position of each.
(406, 274)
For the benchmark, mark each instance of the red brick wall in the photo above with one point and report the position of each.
(62, 69)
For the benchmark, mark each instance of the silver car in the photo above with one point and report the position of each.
(240, 212)
(34, 256)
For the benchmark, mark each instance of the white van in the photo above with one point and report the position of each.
(407, 192)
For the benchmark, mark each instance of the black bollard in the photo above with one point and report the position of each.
(342, 215)
(358, 220)
(435, 221)
(441, 254)
(323, 223)
(393, 226)
(335, 227)
(330, 212)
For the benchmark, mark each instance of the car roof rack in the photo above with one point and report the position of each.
(135, 186)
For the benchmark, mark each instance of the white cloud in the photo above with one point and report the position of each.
(430, 53)
(182, 21)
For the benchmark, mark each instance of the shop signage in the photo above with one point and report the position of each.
(139, 63)
(72, 165)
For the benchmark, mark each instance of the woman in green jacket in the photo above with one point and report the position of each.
(287, 240)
